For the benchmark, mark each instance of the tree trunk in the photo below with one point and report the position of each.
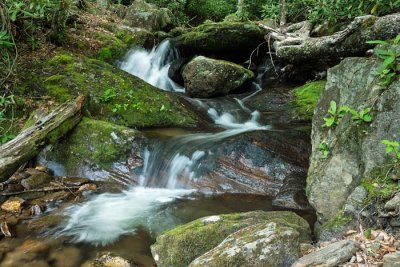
(47, 130)
(283, 11)
(299, 47)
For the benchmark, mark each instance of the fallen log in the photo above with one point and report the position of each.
(47, 130)
(298, 46)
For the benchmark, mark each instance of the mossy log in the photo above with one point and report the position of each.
(297, 45)
(29, 142)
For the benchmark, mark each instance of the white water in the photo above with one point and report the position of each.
(153, 66)
(106, 217)
(168, 168)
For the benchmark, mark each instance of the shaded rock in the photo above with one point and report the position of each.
(355, 149)
(266, 245)
(329, 256)
(114, 95)
(26, 255)
(94, 149)
(73, 181)
(393, 204)
(13, 205)
(36, 180)
(45, 222)
(175, 70)
(206, 39)
(111, 261)
(182, 245)
(143, 15)
(355, 201)
(205, 77)
(391, 260)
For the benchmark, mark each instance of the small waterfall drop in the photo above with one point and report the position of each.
(152, 66)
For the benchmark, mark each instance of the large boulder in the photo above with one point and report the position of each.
(206, 77)
(97, 150)
(220, 39)
(352, 152)
(144, 15)
(182, 245)
(260, 245)
(114, 95)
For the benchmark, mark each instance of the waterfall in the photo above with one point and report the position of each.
(152, 66)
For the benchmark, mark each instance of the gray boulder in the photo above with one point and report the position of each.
(143, 15)
(355, 151)
(180, 246)
(259, 245)
(206, 77)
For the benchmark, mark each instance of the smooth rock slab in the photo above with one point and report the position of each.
(264, 245)
(393, 204)
(330, 256)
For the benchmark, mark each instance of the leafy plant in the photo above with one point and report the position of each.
(5, 40)
(324, 149)
(6, 137)
(362, 116)
(389, 52)
(392, 147)
(120, 107)
(108, 95)
(334, 114)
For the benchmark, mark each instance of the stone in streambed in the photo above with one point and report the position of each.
(263, 244)
(36, 179)
(331, 256)
(181, 245)
(13, 205)
(206, 77)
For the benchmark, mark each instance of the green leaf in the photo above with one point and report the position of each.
(329, 121)
(378, 42)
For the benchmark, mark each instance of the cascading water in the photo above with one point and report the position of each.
(169, 166)
(153, 66)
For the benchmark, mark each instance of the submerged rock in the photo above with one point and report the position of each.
(353, 149)
(206, 77)
(330, 256)
(13, 205)
(111, 261)
(116, 96)
(182, 245)
(93, 149)
(144, 15)
(220, 39)
(263, 244)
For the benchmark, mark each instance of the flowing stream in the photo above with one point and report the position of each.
(170, 166)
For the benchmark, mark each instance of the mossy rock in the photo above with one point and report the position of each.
(305, 99)
(220, 38)
(94, 144)
(181, 245)
(114, 95)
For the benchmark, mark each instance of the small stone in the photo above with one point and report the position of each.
(395, 221)
(34, 246)
(35, 180)
(36, 210)
(111, 261)
(5, 230)
(44, 169)
(86, 187)
(391, 260)
(393, 204)
(13, 205)
(329, 256)
(305, 248)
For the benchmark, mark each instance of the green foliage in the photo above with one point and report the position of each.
(332, 11)
(324, 149)
(177, 8)
(389, 52)
(7, 104)
(392, 147)
(108, 95)
(215, 10)
(379, 187)
(335, 115)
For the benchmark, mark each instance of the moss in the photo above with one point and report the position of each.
(340, 220)
(95, 142)
(147, 106)
(379, 186)
(61, 58)
(180, 246)
(305, 99)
